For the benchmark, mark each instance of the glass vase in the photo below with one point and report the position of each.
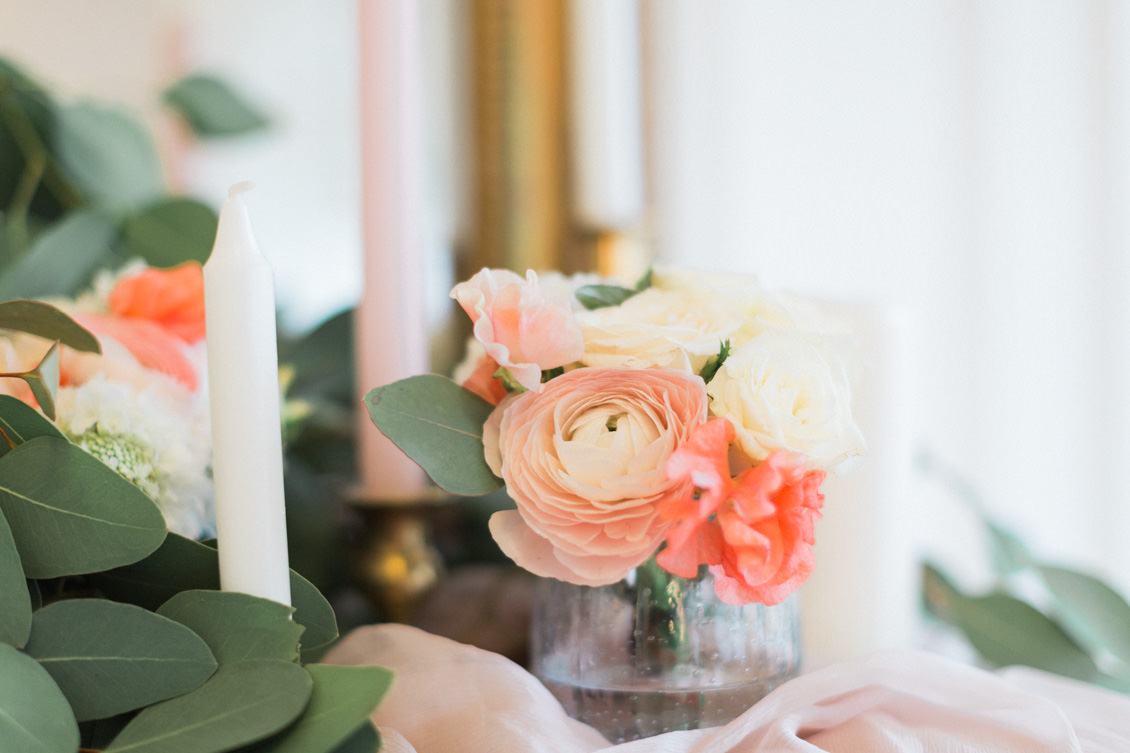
(655, 652)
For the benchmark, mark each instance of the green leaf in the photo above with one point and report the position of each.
(48, 322)
(34, 715)
(19, 422)
(71, 514)
(715, 363)
(98, 733)
(1007, 631)
(43, 380)
(109, 658)
(212, 108)
(364, 739)
(939, 595)
(440, 425)
(15, 599)
(63, 258)
(242, 703)
(314, 613)
(107, 154)
(603, 296)
(1091, 610)
(1008, 552)
(343, 698)
(181, 564)
(169, 232)
(236, 626)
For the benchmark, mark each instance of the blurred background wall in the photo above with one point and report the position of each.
(962, 168)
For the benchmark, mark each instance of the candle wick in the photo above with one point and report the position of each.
(241, 187)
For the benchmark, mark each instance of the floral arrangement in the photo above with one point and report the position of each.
(140, 405)
(690, 417)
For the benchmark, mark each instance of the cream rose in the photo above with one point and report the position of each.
(666, 329)
(782, 392)
(584, 460)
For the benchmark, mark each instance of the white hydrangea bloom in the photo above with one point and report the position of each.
(160, 445)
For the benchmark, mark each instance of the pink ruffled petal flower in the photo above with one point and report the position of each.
(523, 326)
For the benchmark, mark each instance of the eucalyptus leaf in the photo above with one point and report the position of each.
(179, 564)
(169, 232)
(108, 154)
(34, 715)
(439, 424)
(71, 514)
(240, 704)
(314, 613)
(29, 110)
(15, 599)
(63, 258)
(182, 564)
(236, 626)
(1005, 631)
(1091, 610)
(19, 422)
(48, 322)
(98, 733)
(343, 699)
(364, 739)
(36, 594)
(43, 380)
(109, 658)
(1008, 552)
(212, 108)
(939, 595)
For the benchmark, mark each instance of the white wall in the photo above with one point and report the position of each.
(958, 160)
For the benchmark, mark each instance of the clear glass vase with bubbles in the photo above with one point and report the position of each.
(655, 652)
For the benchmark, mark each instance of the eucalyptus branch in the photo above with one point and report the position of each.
(37, 157)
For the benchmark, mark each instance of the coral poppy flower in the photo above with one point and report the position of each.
(754, 531)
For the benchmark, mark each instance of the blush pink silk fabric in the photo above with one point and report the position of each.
(452, 698)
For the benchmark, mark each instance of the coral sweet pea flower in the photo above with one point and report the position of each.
(754, 531)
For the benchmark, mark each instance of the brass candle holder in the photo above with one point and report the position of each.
(396, 563)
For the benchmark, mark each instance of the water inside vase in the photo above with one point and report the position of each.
(636, 659)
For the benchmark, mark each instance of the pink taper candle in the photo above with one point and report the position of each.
(391, 327)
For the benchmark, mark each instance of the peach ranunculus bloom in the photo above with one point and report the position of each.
(754, 531)
(524, 326)
(585, 460)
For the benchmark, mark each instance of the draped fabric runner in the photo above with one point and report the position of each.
(453, 698)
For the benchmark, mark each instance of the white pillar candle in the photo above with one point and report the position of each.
(391, 320)
(607, 112)
(863, 595)
(243, 383)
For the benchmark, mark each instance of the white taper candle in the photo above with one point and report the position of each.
(239, 301)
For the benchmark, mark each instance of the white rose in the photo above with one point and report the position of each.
(741, 290)
(666, 329)
(782, 392)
